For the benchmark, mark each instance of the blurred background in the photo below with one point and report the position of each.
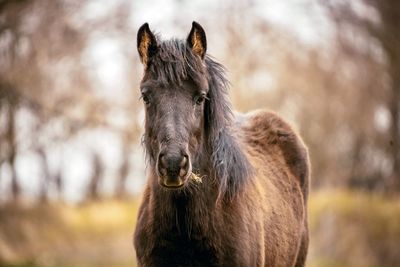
(71, 163)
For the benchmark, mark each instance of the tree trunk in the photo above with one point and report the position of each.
(395, 132)
(59, 185)
(44, 190)
(15, 187)
(94, 183)
(120, 190)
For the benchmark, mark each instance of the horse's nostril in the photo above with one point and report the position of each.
(163, 160)
(182, 172)
(185, 166)
(183, 162)
(163, 171)
(173, 166)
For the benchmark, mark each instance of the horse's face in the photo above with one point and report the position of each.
(174, 114)
(174, 125)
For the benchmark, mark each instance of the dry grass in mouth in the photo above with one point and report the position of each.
(196, 178)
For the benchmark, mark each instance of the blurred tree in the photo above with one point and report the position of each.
(388, 33)
(93, 190)
(377, 22)
(46, 175)
(120, 189)
(322, 88)
(25, 43)
(51, 39)
(12, 147)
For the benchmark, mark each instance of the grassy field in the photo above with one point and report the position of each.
(92, 234)
(347, 229)
(354, 229)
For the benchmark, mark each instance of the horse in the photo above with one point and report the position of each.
(223, 189)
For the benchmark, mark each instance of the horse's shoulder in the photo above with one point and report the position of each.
(265, 128)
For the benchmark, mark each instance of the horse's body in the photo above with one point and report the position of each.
(255, 217)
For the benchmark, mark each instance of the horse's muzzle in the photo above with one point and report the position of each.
(173, 168)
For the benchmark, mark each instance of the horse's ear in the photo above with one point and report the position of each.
(146, 44)
(197, 40)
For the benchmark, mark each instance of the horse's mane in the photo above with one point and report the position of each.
(175, 62)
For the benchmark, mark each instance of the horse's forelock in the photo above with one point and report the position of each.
(175, 62)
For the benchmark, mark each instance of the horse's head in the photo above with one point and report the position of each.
(174, 90)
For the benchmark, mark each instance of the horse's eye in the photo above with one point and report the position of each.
(199, 99)
(146, 99)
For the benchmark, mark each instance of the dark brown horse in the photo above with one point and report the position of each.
(222, 190)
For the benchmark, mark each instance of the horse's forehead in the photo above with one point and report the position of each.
(187, 86)
(167, 78)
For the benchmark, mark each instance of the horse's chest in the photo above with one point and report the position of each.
(186, 240)
(174, 248)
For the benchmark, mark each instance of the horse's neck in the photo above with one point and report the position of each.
(186, 211)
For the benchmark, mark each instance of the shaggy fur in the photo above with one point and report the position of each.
(250, 207)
